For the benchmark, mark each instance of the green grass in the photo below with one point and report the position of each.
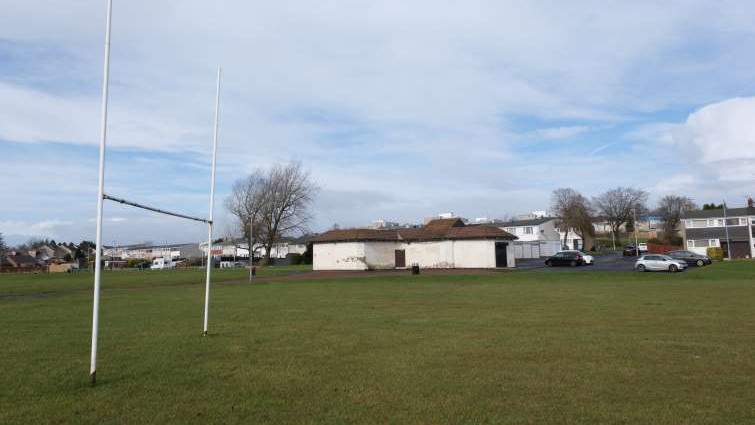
(518, 347)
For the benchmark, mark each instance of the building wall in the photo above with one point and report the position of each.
(339, 256)
(526, 249)
(381, 255)
(435, 254)
(479, 254)
(297, 248)
(428, 254)
(548, 248)
(546, 233)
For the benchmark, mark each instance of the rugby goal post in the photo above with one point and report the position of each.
(102, 196)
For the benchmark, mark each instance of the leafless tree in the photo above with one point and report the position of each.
(670, 209)
(286, 210)
(3, 249)
(246, 203)
(274, 203)
(574, 212)
(618, 205)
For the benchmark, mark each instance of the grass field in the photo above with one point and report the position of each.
(510, 347)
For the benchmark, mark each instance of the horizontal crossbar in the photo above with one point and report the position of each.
(157, 210)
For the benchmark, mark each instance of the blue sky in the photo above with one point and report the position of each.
(400, 110)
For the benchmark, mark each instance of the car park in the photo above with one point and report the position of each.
(566, 258)
(690, 257)
(659, 262)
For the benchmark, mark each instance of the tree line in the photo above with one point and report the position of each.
(618, 207)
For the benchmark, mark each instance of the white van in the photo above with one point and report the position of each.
(162, 263)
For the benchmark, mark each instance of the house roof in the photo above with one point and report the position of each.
(719, 212)
(20, 260)
(439, 229)
(301, 240)
(529, 222)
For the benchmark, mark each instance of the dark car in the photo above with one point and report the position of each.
(631, 251)
(566, 258)
(690, 257)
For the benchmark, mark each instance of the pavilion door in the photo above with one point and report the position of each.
(501, 259)
(400, 258)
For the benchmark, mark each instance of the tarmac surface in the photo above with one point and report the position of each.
(606, 262)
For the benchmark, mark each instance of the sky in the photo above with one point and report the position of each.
(400, 110)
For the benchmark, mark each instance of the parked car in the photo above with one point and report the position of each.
(588, 259)
(566, 258)
(659, 262)
(690, 257)
(630, 250)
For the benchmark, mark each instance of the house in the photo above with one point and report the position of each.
(299, 245)
(150, 252)
(539, 236)
(62, 252)
(238, 249)
(441, 243)
(42, 253)
(729, 228)
(21, 261)
(647, 226)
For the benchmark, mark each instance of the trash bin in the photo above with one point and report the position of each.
(415, 268)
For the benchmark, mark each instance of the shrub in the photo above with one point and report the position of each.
(715, 253)
(138, 262)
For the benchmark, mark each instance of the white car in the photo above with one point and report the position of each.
(658, 262)
(588, 259)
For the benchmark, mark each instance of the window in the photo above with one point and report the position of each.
(699, 223)
(702, 243)
(511, 230)
(732, 221)
(528, 230)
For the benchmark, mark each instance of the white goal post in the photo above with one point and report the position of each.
(102, 196)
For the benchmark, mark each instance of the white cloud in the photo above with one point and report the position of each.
(717, 143)
(720, 131)
(46, 228)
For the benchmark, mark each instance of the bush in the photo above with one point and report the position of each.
(138, 262)
(306, 258)
(715, 253)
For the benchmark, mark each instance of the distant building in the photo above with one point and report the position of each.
(731, 229)
(238, 249)
(150, 252)
(540, 237)
(441, 243)
(20, 261)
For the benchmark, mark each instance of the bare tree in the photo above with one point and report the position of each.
(273, 203)
(670, 209)
(3, 249)
(286, 210)
(574, 212)
(246, 203)
(618, 205)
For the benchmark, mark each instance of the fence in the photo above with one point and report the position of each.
(655, 248)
